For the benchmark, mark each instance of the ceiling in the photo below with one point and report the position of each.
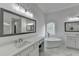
(53, 7)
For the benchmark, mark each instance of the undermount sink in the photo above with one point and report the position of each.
(25, 43)
(22, 43)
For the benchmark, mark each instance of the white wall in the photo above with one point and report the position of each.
(39, 16)
(59, 17)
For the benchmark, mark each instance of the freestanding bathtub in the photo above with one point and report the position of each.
(52, 42)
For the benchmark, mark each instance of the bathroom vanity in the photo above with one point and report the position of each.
(72, 34)
(32, 50)
(30, 47)
(12, 23)
(72, 41)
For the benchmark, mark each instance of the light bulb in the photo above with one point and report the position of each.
(22, 10)
(30, 24)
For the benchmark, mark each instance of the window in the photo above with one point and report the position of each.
(51, 28)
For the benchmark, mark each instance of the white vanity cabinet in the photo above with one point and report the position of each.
(72, 41)
(35, 50)
(32, 50)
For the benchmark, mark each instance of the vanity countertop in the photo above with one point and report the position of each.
(11, 49)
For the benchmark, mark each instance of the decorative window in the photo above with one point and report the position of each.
(51, 28)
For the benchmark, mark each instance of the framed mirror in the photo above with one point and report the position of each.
(15, 24)
(72, 26)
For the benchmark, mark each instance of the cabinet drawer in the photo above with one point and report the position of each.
(71, 37)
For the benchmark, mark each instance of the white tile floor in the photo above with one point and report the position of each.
(60, 51)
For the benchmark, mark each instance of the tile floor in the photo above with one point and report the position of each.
(60, 51)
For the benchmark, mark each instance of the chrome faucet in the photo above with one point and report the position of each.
(18, 42)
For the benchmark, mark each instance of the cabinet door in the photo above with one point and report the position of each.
(23, 53)
(77, 43)
(70, 43)
(34, 52)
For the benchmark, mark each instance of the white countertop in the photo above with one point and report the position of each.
(10, 49)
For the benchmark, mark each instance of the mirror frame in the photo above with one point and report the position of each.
(2, 10)
(67, 23)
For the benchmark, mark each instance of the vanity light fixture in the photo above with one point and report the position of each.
(29, 14)
(30, 24)
(73, 19)
(18, 8)
(22, 10)
(6, 24)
